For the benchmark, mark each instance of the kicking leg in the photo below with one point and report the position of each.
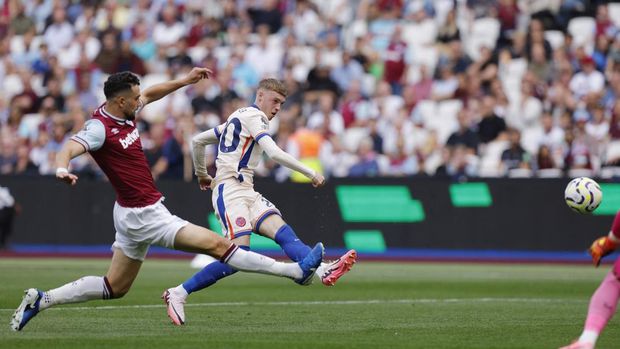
(121, 274)
(275, 228)
(193, 238)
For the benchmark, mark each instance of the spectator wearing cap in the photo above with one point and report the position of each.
(587, 81)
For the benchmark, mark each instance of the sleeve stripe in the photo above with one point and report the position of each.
(217, 132)
(76, 138)
(261, 135)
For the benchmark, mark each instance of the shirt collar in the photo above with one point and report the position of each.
(107, 114)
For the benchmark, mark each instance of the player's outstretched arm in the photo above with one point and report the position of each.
(285, 159)
(160, 90)
(199, 142)
(70, 150)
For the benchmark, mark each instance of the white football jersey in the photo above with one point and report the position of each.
(238, 149)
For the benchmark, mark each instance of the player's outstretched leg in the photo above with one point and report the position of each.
(28, 308)
(329, 273)
(310, 263)
(81, 290)
(175, 297)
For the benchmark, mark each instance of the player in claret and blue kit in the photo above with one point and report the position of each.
(140, 218)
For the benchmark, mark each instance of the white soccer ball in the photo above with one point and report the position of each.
(583, 195)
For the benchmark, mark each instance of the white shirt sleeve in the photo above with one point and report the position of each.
(283, 158)
(199, 141)
(258, 126)
(92, 136)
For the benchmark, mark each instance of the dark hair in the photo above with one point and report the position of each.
(119, 82)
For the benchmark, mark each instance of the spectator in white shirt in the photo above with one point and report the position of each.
(60, 33)
(169, 31)
(588, 80)
(326, 118)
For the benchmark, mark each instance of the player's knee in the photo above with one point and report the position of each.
(116, 290)
(120, 293)
(221, 244)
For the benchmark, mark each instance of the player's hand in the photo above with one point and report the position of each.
(67, 177)
(318, 180)
(198, 74)
(600, 248)
(205, 182)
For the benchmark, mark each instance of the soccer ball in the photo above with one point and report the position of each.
(583, 195)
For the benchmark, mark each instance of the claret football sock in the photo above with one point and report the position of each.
(294, 248)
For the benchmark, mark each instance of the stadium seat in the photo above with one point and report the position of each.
(11, 86)
(352, 138)
(555, 38)
(490, 158)
(484, 32)
(614, 13)
(424, 33)
(520, 173)
(511, 78)
(353, 31)
(424, 55)
(445, 121)
(580, 172)
(582, 29)
(197, 53)
(610, 172)
(549, 173)
(426, 111)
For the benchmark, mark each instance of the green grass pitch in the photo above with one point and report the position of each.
(377, 305)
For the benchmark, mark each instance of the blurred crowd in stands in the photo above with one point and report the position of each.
(446, 88)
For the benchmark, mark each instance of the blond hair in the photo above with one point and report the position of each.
(273, 85)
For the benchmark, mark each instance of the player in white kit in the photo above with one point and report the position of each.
(241, 140)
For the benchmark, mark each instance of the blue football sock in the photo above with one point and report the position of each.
(209, 275)
(294, 248)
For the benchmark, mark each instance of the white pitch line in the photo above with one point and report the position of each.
(340, 302)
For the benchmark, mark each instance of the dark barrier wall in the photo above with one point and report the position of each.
(498, 214)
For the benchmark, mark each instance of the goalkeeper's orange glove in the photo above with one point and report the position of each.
(600, 248)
